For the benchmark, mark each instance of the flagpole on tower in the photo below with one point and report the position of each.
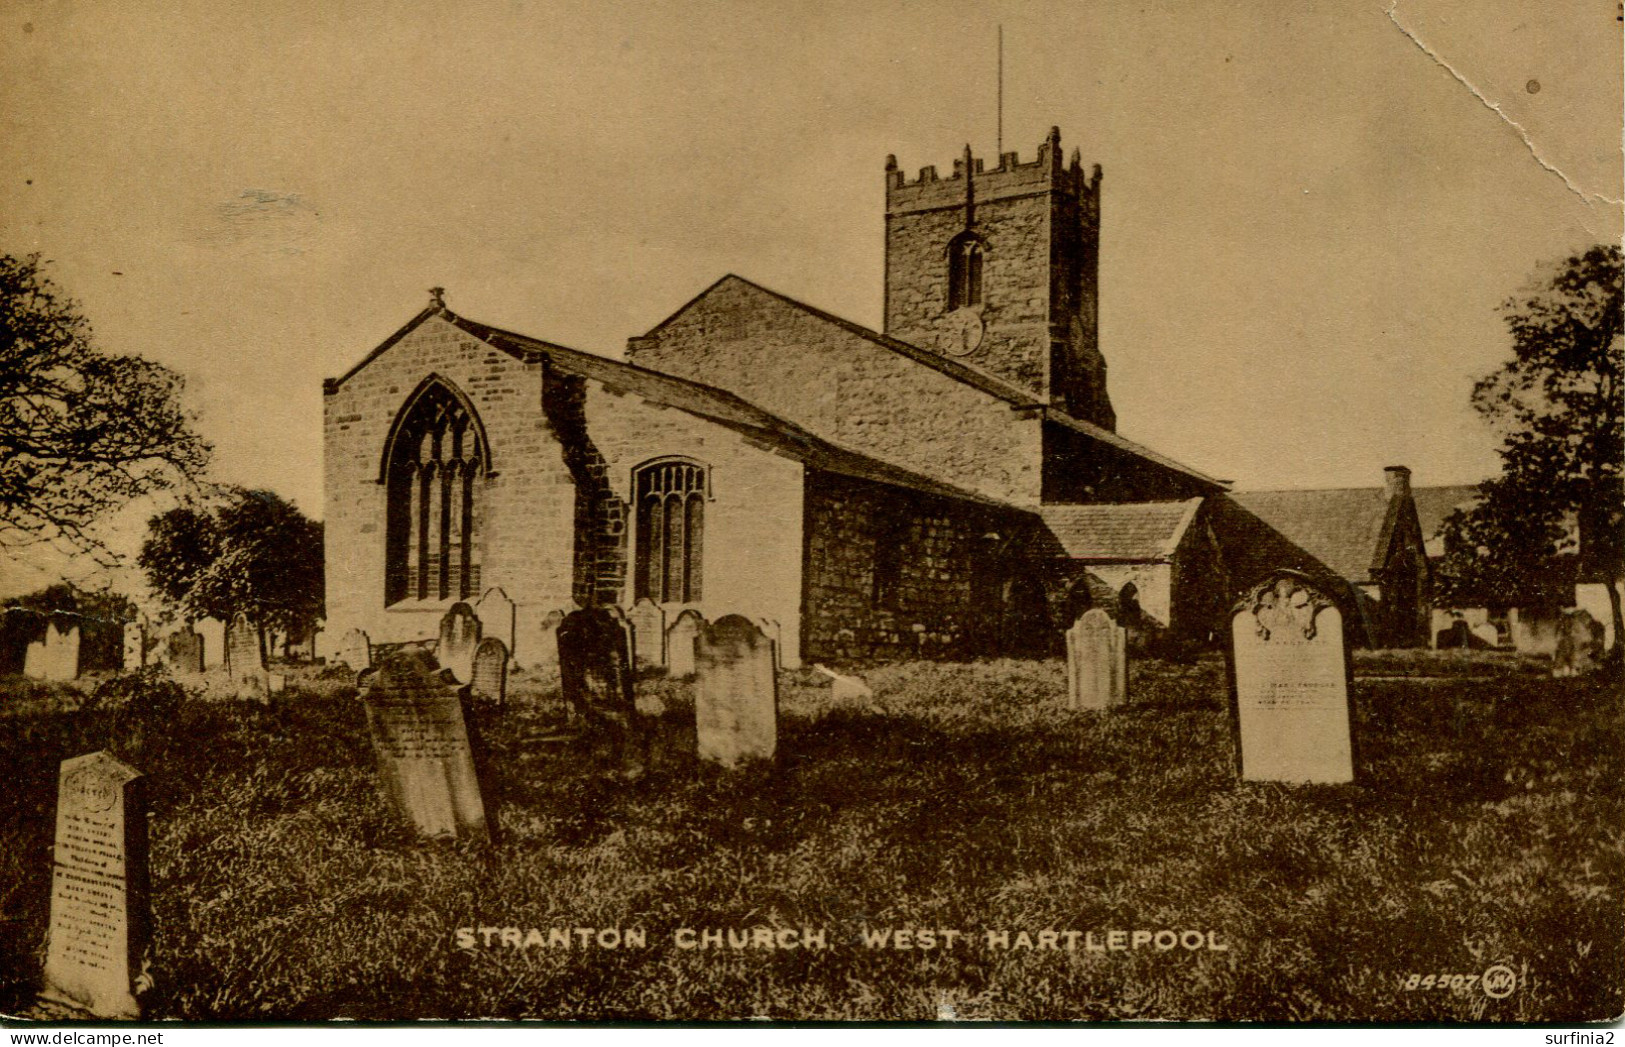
(1001, 90)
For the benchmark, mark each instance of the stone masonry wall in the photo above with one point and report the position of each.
(848, 389)
(528, 500)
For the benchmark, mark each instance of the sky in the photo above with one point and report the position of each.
(1310, 214)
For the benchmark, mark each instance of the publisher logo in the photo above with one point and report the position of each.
(1498, 982)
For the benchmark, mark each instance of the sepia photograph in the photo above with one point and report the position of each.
(846, 511)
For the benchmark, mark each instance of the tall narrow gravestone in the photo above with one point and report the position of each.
(36, 665)
(490, 683)
(355, 650)
(1291, 683)
(680, 642)
(420, 740)
(595, 676)
(496, 614)
(1096, 662)
(100, 923)
(648, 623)
(547, 641)
(736, 699)
(183, 652)
(61, 652)
(459, 636)
(244, 660)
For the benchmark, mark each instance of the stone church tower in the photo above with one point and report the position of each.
(1000, 269)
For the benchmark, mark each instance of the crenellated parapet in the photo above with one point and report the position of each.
(1011, 178)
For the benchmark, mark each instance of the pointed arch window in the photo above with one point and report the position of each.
(670, 497)
(965, 256)
(435, 466)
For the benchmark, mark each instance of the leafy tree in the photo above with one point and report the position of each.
(1507, 551)
(81, 432)
(1557, 405)
(256, 553)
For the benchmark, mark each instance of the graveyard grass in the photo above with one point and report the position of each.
(1487, 829)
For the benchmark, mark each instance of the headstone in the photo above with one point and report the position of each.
(183, 652)
(770, 629)
(548, 640)
(36, 661)
(736, 699)
(843, 688)
(420, 740)
(680, 642)
(355, 650)
(1096, 662)
(61, 652)
(459, 636)
(135, 645)
(1487, 635)
(490, 682)
(275, 683)
(496, 614)
(100, 922)
(595, 677)
(1291, 683)
(648, 623)
(244, 661)
(1579, 644)
(213, 648)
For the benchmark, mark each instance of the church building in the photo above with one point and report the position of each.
(953, 485)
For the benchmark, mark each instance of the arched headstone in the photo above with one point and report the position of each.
(1291, 679)
(355, 650)
(548, 640)
(648, 623)
(459, 636)
(1096, 662)
(497, 614)
(680, 642)
(736, 699)
(245, 660)
(183, 651)
(490, 680)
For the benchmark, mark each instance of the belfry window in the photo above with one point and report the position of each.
(964, 271)
(435, 473)
(670, 499)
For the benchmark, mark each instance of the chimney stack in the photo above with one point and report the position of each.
(1397, 478)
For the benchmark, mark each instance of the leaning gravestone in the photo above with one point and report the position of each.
(595, 677)
(355, 650)
(1291, 683)
(680, 642)
(1579, 644)
(244, 660)
(420, 740)
(490, 682)
(648, 623)
(459, 636)
(1096, 662)
(100, 921)
(183, 652)
(736, 697)
(496, 614)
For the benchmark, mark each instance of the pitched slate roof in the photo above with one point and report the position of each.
(1141, 531)
(993, 385)
(1347, 529)
(716, 405)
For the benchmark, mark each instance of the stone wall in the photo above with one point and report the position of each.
(528, 499)
(848, 389)
(943, 585)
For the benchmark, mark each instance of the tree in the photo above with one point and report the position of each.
(1557, 406)
(256, 553)
(1505, 552)
(81, 432)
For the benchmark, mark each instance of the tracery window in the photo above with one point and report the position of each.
(670, 498)
(964, 271)
(435, 473)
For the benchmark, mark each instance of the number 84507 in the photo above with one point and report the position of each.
(1456, 982)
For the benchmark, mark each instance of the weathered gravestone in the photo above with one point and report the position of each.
(61, 652)
(1487, 636)
(595, 677)
(547, 639)
(420, 740)
(490, 682)
(245, 662)
(843, 688)
(1291, 682)
(355, 650)
(183, 652)
(100, 922)
(1096, 662)
(1579, 644)
(680, 642)
(459, 636)
(736, 695)
(35, 657)
(496, 614)
(648, 623)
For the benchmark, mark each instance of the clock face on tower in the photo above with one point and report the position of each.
(962, 332)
